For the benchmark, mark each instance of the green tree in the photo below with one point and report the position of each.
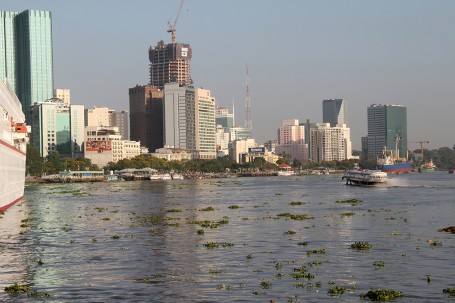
(34, 163)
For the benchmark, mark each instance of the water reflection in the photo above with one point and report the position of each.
(132, 241)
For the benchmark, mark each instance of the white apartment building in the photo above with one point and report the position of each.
(330, 143)
(189, 120)
(222, 141)
(291, 140)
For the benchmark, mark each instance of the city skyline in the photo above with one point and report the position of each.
(298, 54)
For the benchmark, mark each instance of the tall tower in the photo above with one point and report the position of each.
(8, 48)
(334, 111)
(248, 118)
(385, 122)
(26, 51)
(170, 63)
(35, 76)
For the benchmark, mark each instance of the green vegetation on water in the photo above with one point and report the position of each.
(381, 295)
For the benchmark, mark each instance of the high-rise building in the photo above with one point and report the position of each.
(8, 55)
(189, 120)
(57, 127)
(26, 55)
(334, 111)
(308, 126)
(385, 123)
(223, 117)
(200, 119)
(174, 116)
(122, 121)
(63, 94)
(330, 143)
(103, 116)
(146, 116)
(291, 140)
(170, 63)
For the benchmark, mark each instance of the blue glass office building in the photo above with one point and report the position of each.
(26, 55)
(385, 123)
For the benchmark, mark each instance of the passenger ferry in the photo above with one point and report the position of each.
(358, 176)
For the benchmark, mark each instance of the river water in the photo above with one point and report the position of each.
(230, 240)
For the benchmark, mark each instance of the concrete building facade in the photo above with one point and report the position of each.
(291, 140)
(63, 94)
(146, 116)
(330, 143)
(200, 119)
(105, 144)
(239, 147)
(170, 63)
(57, 128)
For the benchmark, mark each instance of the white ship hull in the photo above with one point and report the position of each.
(13, 146)
(12, 175)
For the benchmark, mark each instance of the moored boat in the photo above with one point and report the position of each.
(364, 177)
(69, 176)
(390, 162)
(13, 147)
(427, 167)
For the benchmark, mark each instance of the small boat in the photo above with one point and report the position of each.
(427, 167)
(166, 176)
(358, 176)
(285, 173)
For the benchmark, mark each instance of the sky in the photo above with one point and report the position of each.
(298, 53)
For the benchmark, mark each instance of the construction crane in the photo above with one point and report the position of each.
(171, 28)
(421, 146)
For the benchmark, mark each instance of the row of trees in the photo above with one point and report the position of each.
(37, 166)
(444, 158)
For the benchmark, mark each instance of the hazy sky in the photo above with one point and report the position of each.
(298, 53)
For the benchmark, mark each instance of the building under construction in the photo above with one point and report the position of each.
(170, 63)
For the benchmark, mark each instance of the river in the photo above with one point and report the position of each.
(231, 240)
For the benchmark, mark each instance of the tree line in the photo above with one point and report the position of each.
(444, 158)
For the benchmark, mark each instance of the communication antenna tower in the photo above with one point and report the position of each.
(248, 119)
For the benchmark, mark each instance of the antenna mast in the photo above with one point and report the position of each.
(248, 120)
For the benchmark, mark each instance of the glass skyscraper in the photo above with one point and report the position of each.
(385, 124)
(335, 112)
(26, 55)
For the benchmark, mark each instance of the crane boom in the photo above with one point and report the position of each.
(421, 146)
(171, 28)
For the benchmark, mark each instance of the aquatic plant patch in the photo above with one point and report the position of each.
(449, 229)
(353, 202)
(449, 291)
(337, 290)
(381, 295)
(17, 289)
(361, 246)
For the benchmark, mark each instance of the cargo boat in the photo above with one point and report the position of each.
(13, 147)
(390, 162)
